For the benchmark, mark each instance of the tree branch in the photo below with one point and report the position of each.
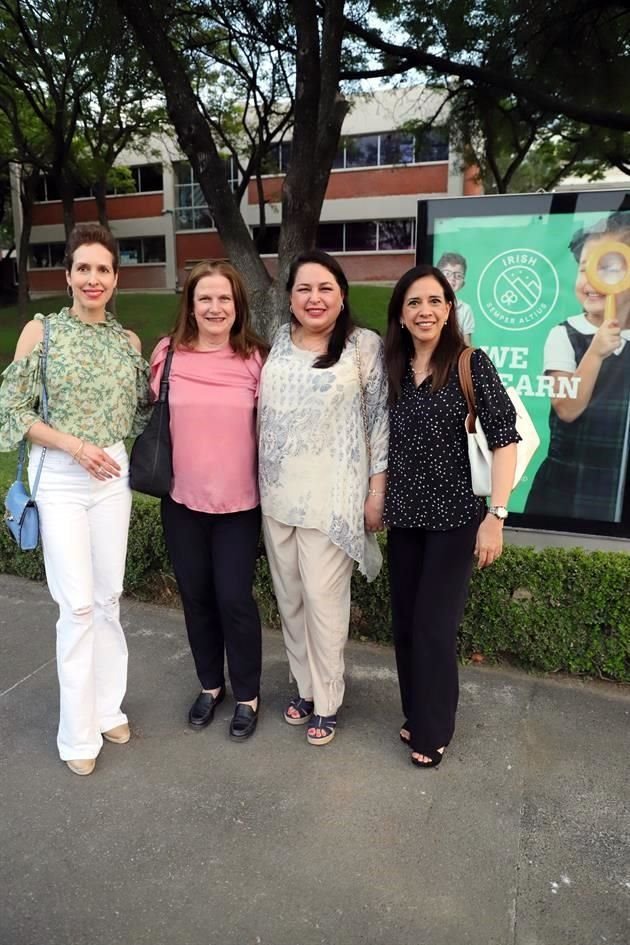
(503, 81)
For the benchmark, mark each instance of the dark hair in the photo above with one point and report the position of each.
(87, 233)
(617, 225)
(453, 259)
(399, 344)
(243, 338)
(344, 324)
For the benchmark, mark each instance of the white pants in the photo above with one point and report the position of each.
(84, 525)
(311, 579)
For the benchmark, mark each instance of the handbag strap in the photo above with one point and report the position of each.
(466, 383)
(164, 380)
(364, 413)
(43, 363)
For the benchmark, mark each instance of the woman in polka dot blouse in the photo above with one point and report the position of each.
(435, 521)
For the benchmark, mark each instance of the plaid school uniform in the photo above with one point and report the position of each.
(580, 478)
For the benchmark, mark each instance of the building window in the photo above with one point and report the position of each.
(395, 147)
(46, 255)
(432, 145)
(232, 172)
(191, 209)
(142, 250)
(47, 189)
(358, 236)
(147, 178)
(396, 234)
(277, 159)
(361, 151)
(330, 237)
(361, 237)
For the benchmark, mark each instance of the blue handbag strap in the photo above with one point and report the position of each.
(43, 361)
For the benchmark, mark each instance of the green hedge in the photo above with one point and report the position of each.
(552, 610)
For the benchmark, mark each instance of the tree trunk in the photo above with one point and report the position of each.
(197, 143)
(100, 195)
(320, 111)
(28, 185)
(66, 189)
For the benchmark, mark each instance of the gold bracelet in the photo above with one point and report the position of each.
(374, 492)
(78, 451)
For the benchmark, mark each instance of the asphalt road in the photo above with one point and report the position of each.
(520, 837)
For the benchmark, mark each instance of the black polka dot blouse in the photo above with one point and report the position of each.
(429, 484)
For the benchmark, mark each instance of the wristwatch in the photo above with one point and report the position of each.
(499, 511)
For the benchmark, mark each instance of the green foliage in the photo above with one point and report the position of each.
(555, 610)
(521, 141)
(28, 564)
(552, 610)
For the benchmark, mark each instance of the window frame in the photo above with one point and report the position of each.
(410, 221)
(141, 241)
(50, 266)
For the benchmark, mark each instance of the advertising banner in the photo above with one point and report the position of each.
(543, 286)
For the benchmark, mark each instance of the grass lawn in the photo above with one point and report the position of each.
(152, 315)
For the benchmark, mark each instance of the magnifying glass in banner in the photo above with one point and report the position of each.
(608, 271)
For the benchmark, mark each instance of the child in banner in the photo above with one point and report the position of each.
(453, 266)
(584, 473)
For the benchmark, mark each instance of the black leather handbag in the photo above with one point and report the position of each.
(151, 460)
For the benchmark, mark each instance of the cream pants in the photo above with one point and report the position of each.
(84, 525)
(311, 579)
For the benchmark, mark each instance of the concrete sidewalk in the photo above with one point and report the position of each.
(182, 838)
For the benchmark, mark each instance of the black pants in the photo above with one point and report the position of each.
(429, 573)
(213, 557)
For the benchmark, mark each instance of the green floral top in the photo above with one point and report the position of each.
(97, 383)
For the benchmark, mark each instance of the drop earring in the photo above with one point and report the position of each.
(69, 291)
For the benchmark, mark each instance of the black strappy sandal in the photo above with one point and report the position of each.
(435, 756)
(303, 706)
(326, 724)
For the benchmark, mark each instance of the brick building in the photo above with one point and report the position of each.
(367, 220)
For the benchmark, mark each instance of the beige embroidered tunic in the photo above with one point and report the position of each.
(313, 456)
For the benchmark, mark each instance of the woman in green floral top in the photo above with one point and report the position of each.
(97, 385)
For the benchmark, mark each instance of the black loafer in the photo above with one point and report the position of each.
(244, 720)
(202, 709)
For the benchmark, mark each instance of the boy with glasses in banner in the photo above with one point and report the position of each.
(453, 266)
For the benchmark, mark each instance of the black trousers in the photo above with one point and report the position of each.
(213, 557)
(429, 574)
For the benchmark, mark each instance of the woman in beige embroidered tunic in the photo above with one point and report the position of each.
(322, 470)
(98, 394)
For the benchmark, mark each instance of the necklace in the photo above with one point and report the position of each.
(417, 372)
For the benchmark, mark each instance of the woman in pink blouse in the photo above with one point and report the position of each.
(211, 518)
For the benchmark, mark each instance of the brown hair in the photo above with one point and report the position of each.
(399, 344)
(243, 338)
(88, 233)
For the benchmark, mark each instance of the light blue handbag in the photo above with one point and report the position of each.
(21, 513)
